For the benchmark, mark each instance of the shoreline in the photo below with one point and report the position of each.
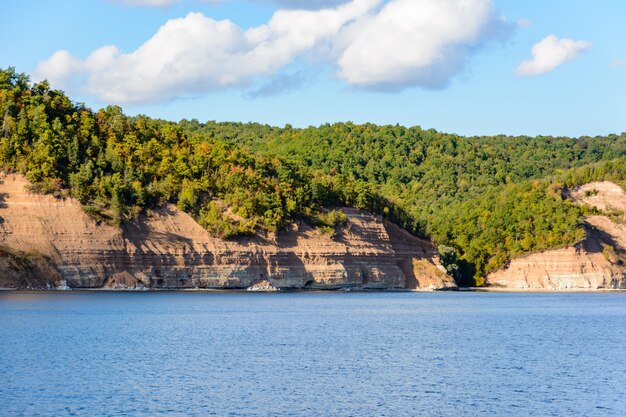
(539, 290)
(317, 290)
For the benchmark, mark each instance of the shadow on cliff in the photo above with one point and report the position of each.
(353, 231)
(287, 258)
(159, 252)
(598, 240)
(397, 215)
(139, 233)
(3, 204)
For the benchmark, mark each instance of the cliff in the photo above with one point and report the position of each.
(599, 262)
(47, 243)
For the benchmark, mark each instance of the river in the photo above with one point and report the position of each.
(312, 354)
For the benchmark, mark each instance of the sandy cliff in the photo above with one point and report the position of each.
(49, 242)
(599, 262)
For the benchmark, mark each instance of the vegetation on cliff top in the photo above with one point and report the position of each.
(490, 198)
(118, 166)
(487, 198)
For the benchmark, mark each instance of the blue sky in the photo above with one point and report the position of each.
(452, 65)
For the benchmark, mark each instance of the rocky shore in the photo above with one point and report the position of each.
(48, 243)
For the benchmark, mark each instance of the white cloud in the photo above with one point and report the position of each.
(59, 69)
(196, 54)
(417, 42)
(550, 53)
(374, 44)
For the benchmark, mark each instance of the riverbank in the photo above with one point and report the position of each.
(322, 291)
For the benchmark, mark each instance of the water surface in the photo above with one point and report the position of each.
(312, 354)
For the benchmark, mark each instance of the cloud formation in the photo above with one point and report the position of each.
(550, 53)
(373, 44)
(417, 42)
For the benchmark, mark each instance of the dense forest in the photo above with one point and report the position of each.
(482, 199)
(487, 198)
(118, 166)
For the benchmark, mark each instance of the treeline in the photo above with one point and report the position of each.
(482, 199)
(119, 166)
(490, 198)
(514, 219)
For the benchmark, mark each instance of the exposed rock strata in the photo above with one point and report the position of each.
(599, 262)
(169, 249)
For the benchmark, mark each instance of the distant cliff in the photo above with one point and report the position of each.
(599, 262)
(51, 243)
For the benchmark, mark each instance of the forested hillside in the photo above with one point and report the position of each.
(489, 198)
(118, 166)
(482, 199)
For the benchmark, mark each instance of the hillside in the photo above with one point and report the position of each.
(483, 200)
(490, 198)
(48, 243)
(599, 261)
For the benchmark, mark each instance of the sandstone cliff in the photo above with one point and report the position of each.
(53, 243)
(599, 262)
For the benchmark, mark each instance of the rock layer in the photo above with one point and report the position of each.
(168, 249)
(599, 262)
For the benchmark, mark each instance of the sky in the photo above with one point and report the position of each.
(471, 67)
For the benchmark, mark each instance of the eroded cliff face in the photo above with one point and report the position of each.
(168, 249)
(599, 262)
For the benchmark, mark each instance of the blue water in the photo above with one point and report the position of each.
(312, 354)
